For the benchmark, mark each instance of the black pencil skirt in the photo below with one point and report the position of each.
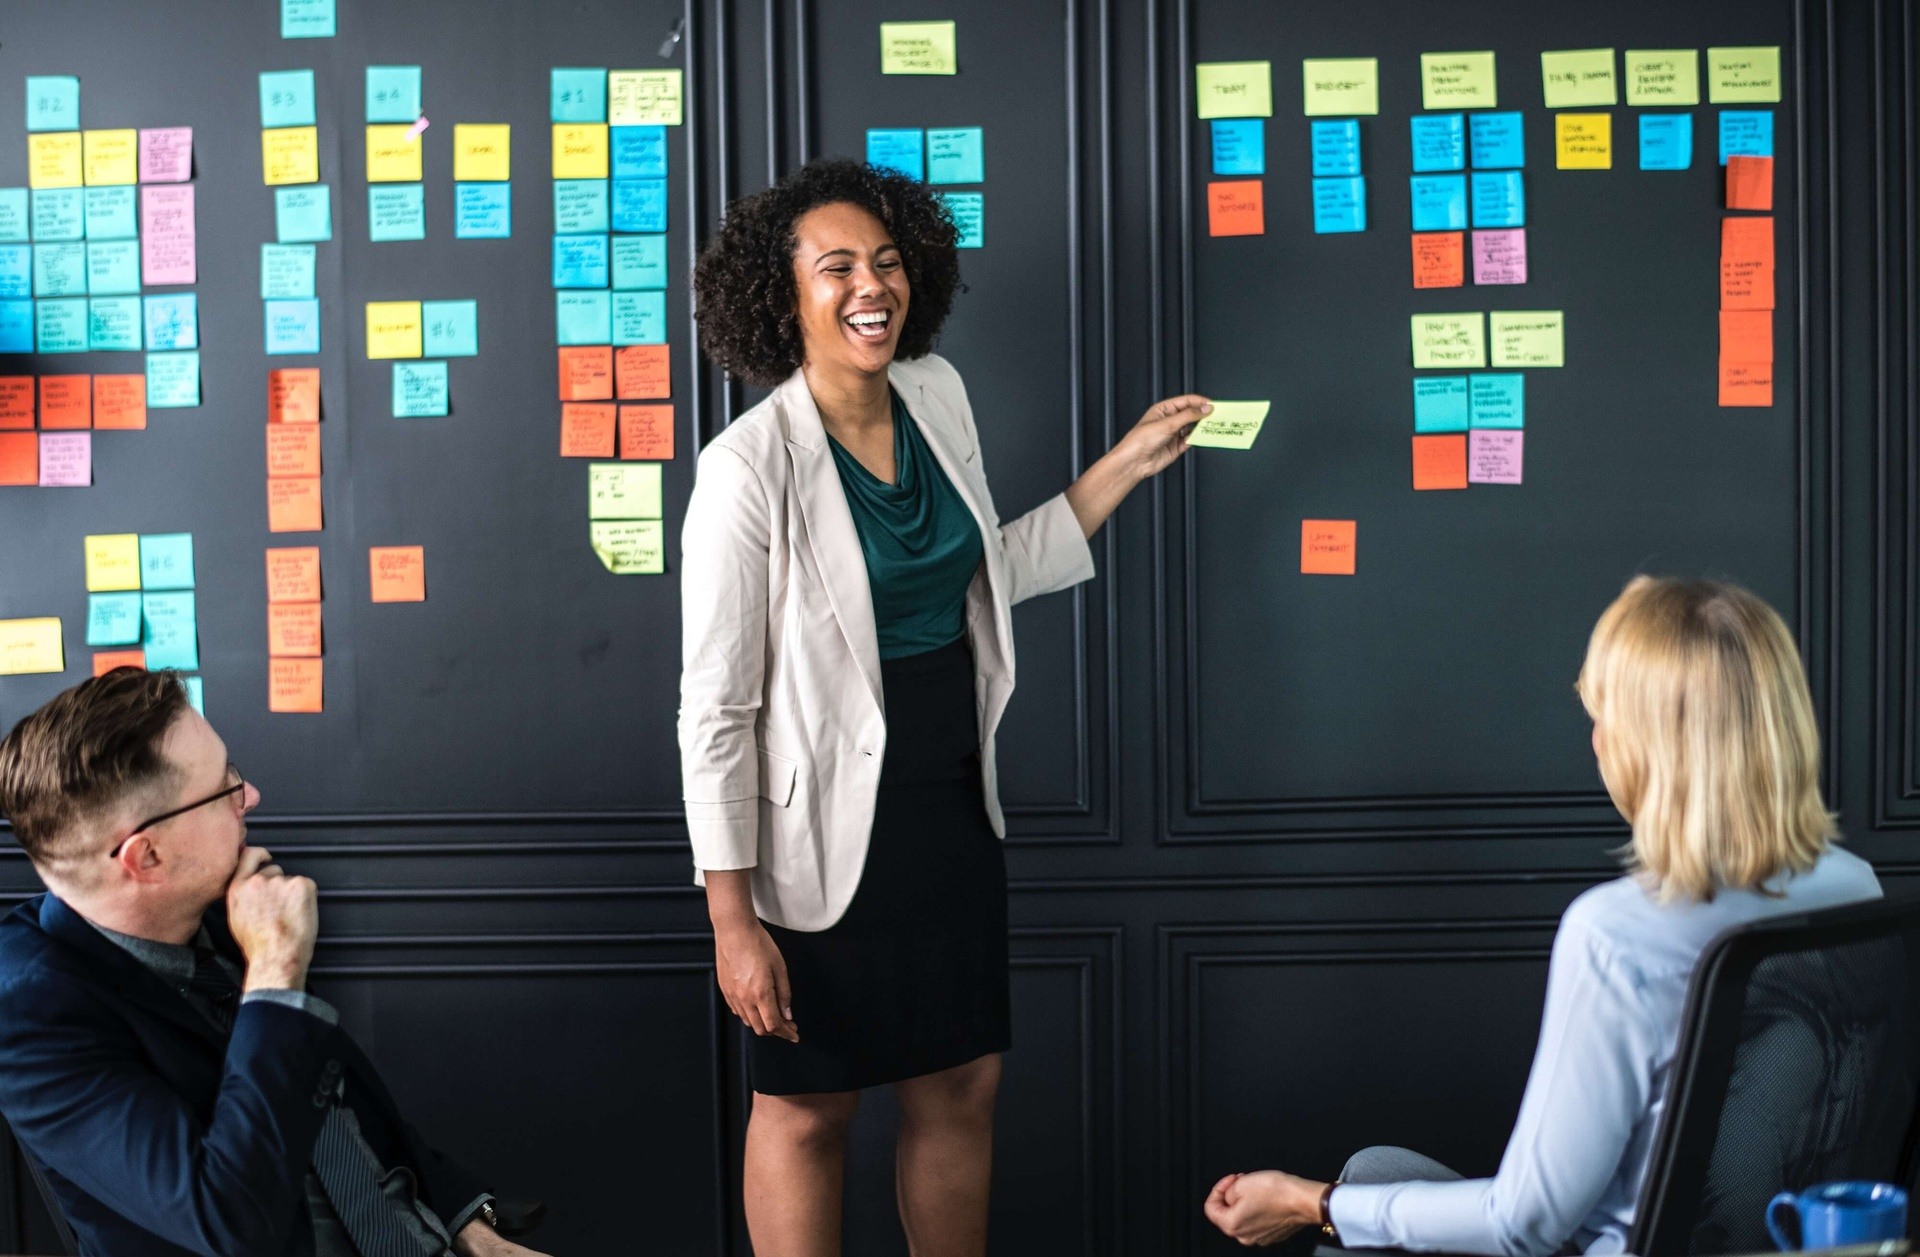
(913, 979)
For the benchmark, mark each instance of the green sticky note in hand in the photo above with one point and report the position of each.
(1230, 426)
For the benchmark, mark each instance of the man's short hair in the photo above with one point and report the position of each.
(88, 749)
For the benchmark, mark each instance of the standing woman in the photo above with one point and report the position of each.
(848, 652)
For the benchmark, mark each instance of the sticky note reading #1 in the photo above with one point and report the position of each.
(577, 95)
(1230, 426)
(1340, 87)
(918, 48)
(1449, 340)
(1234, 89)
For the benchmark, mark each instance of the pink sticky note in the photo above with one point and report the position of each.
(66, 459)
(166, 233)
(1493, 456)
(1500, 257)
(166, 154)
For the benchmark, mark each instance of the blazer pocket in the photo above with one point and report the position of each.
(777, 774)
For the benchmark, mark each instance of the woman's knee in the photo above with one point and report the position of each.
(815, 1121)
(963, 1093)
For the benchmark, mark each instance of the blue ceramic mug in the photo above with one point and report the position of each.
(1832, 1214)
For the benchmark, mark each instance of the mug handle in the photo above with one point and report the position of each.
(1789, 1201)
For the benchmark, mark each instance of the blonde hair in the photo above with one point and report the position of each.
(1706, 737)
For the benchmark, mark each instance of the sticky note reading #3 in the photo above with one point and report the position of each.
(1230, 425)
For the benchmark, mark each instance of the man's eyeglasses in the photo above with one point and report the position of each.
(237, 791)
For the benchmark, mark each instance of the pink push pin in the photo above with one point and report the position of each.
(419, 125)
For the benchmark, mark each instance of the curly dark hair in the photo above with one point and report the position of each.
(743, 291)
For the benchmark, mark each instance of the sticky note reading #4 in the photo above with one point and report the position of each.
(1230, 425)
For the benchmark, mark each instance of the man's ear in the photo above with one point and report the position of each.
(140, 858)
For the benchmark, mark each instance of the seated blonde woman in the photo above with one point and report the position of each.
(1704, 730)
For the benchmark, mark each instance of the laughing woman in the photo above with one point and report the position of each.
(848, 653)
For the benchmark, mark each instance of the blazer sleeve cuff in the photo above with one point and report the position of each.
(1046, 550)
(725, 835)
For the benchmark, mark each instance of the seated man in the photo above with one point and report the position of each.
(159, 1058)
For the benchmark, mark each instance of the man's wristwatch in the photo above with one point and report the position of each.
(1326, 1214)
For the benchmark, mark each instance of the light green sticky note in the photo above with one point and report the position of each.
(450, 329)
(1529, 338)
(1457, 80)
(918, 48)
(1449, 340)
(1340, 87)
(1234, 89)
(630, 547)
(1582, 77)
(1231, 426)
(623, 491)
(1743, 75)
(1663, 76)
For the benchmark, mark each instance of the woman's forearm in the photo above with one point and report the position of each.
(1100, 490)
(730, 898)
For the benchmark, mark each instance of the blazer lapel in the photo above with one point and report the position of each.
(918, 403)
(126, 976)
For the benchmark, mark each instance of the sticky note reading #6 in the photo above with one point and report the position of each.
(1230, 426)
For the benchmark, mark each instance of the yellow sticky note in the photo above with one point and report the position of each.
(1449, 340)
(623, 491)
(630, 547)
(1234, 89)
(393, 329)
(1663, 76)
(54, 160)
(1583, 141)
(1230, 426)
(1457, 80)
(110, 157)
(30, 646)
(1582, 77)
(1529, 338)
(113, 562)
(644, 98)
(1340, 87)
(482, 151)
(579, 150)
(393, 153)
(290, 155)
(1743, 75)
(918, 48)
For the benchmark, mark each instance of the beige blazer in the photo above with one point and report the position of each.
(782, 721)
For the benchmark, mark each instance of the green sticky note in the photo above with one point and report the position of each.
(969, 210)
(302, 213)
(583, 318)
(110, 214)
(640, 318)
(286, 271)
(396, 211)
(1231, 426)
(196, 694)
(173, 379)
(14, 216)
(918, 48)
(449, 329)
(113, 619)
(1340, 87)
(306, 19)
(1528, 338)
(59, 214)
(286, 98)
(623, 491)
(170, 632)
(1743, 75)
(393, 93)
(166, 560)
(1583, 77)
(578, 95)
(1234, 89)
(1449, 340)
(639, 261)
(956, 155)
(419, 389)
(1458, 80)
(53, 102)
(1664, 76)
(630, 547)
(60, 325)
(113, 267)
(113, 323)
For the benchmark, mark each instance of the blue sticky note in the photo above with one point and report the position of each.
(1336, 146)
(396, 211)
(1666, 141)
(110, 214)
(1340, 204)
(53, 102)
(59, 270)
(900, 150)
(579, 95)
(1439, 142)
(113, 619)
(1439, 202)
(16, 270)
(639, 318)
(640, 205)
(306, 19)
(579, 206)
(173, 379)
(449, 329)
(639, 261)
(286, 98)
(1499, 401)
(302, 213)
(166, 560)
(286, 271)
(113, 323)
(482, 211)
(169, 631)
(293, 326)
(1497, 141)
(1440, 403)
(958, 154)
(969, 210)
(113, 267)
(638, 152)
(419, 390)
(1499, 199)
(580, 262)
(173, 321)
(13, 216)
(60, 326)
(393, 93)
(1743, 133)
(584, 318)
(1239, 146)
(196, 693)
(16, 327)
(60, 214)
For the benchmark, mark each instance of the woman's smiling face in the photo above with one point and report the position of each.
(850, 287)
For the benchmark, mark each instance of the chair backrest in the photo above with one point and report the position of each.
(1797, 1064)
(70, 1244)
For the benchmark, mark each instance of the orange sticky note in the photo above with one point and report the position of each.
(16, 402)
(293, 630)
(586, 430)
(120, 402)
(642, 372)
(19, 458)
(293, 574)
(1327, 547)
(295, 684)
(66, 401)
(586, 373)
(1746, 383)
(293, 395)
(293, 449)
(293, 505)
(1746, 336)
(399, 573)
(1236, 208)
(1746, 263)
(1750, 183)
(1439, 259)
(646, 432)
(105, 661)
(1439, 462)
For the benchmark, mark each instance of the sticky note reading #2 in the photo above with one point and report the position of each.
(1230, 425)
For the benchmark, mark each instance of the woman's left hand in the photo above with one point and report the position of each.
(1161, 435)
(1264, 1207)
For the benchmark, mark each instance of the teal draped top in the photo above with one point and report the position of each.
(921, 543)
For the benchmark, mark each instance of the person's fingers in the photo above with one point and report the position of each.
(251, 859)
(783, 999)
(1172, 406)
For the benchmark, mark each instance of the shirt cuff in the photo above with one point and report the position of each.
(296, 999)
(1354, 1209)
(459, 1221)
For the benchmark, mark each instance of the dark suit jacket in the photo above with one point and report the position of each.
(157, 1137)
